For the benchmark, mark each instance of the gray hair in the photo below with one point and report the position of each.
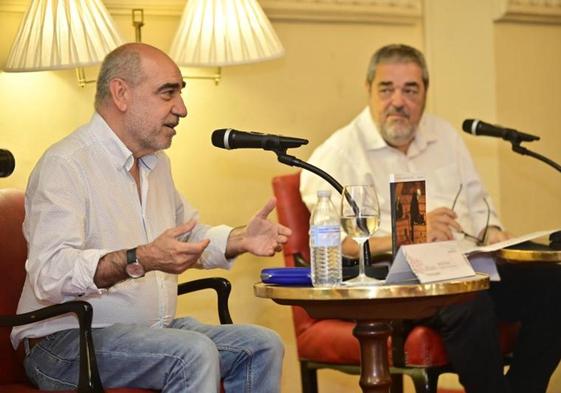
(397, 53)
(123, 62)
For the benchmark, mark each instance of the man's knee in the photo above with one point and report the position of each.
(264, 340)
(197, 347)
(478, 310)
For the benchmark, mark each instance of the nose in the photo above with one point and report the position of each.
(397, 99)
(179, 109)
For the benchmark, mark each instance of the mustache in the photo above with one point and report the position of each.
(172, 124)
(399, 111)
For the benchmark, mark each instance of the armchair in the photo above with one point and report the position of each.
(13, 254)
(415, 351)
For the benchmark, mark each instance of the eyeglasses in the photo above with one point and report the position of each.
(479, 241)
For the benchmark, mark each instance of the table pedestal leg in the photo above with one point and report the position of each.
(375, 374)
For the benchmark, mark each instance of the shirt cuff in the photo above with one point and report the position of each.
(215, 257)
(84, 279)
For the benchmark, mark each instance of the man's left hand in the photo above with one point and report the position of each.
(260, 237)
(496, 235)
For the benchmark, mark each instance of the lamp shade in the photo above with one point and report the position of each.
(57, 34)
(224, 32)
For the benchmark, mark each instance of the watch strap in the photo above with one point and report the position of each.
(131, 255)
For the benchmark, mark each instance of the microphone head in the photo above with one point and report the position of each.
(7, 163)
(470, 125)
(219, 138)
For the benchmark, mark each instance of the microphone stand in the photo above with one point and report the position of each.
(293, 161)
(555, 237)
(524, 151)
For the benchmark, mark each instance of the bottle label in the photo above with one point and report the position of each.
(325, 236)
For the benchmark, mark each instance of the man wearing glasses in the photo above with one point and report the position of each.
(393, 135)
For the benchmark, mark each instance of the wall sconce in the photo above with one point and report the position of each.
(137, 23)
(216, 33)
(62, 34)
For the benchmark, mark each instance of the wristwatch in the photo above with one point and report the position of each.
(134, 269)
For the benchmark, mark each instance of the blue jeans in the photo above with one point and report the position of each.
(188, 356)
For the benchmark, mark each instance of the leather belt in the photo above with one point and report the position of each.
(20, 351)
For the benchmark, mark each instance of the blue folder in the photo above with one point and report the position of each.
(287, 276)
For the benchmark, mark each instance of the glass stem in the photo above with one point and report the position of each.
(361, 259)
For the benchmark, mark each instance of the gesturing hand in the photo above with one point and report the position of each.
(260, 237)
(170, 255)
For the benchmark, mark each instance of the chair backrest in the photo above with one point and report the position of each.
(13, 253)
(293, 213)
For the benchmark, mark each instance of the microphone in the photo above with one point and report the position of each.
(7, 163)
(478, 127)
(228, 138)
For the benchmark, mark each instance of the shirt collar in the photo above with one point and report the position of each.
(369, 134)
(119, 153)
(424, 136)
(373, 140)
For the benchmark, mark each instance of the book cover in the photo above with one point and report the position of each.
(408, 210)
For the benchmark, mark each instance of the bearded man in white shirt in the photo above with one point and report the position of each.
(104, 223)
(394, 135)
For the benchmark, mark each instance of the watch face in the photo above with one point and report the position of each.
(135, 270)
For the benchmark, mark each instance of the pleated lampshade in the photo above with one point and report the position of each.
(224, 32)
(57, 34)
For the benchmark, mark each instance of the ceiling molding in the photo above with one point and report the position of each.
(150, 7)
(346, 11)
(118, 7)
(529, 11)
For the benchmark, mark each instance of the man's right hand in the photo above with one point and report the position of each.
(169, 255)
(440, 223)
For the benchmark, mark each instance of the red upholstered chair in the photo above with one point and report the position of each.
(13, 253)
(417, 352)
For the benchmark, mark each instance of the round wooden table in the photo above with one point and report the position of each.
(372, 307)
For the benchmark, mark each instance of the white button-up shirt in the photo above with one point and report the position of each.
(82, 203)
(357, 154)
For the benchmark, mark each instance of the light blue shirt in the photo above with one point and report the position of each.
(82, 203)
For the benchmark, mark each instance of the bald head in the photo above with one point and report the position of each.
(124, 62)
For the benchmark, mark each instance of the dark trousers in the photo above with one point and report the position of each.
(528, 293)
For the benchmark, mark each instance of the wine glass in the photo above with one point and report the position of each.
(360, 219)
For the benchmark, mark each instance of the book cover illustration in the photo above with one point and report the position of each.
(408, 210)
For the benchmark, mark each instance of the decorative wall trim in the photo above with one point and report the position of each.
(150, 7)
(119, 7)
(530, 11)
(347, 11)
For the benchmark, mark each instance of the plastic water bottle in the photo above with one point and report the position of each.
(325, 243)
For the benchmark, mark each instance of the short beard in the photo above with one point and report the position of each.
(146, 139)
(397, 134)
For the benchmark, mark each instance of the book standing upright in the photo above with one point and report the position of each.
(408, 210)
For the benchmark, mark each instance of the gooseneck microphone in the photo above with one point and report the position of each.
(478, 127)
(228, 138)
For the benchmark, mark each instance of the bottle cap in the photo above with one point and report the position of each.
(324, 193)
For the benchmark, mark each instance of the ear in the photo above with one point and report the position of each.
(367, 86)
(120, 93)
